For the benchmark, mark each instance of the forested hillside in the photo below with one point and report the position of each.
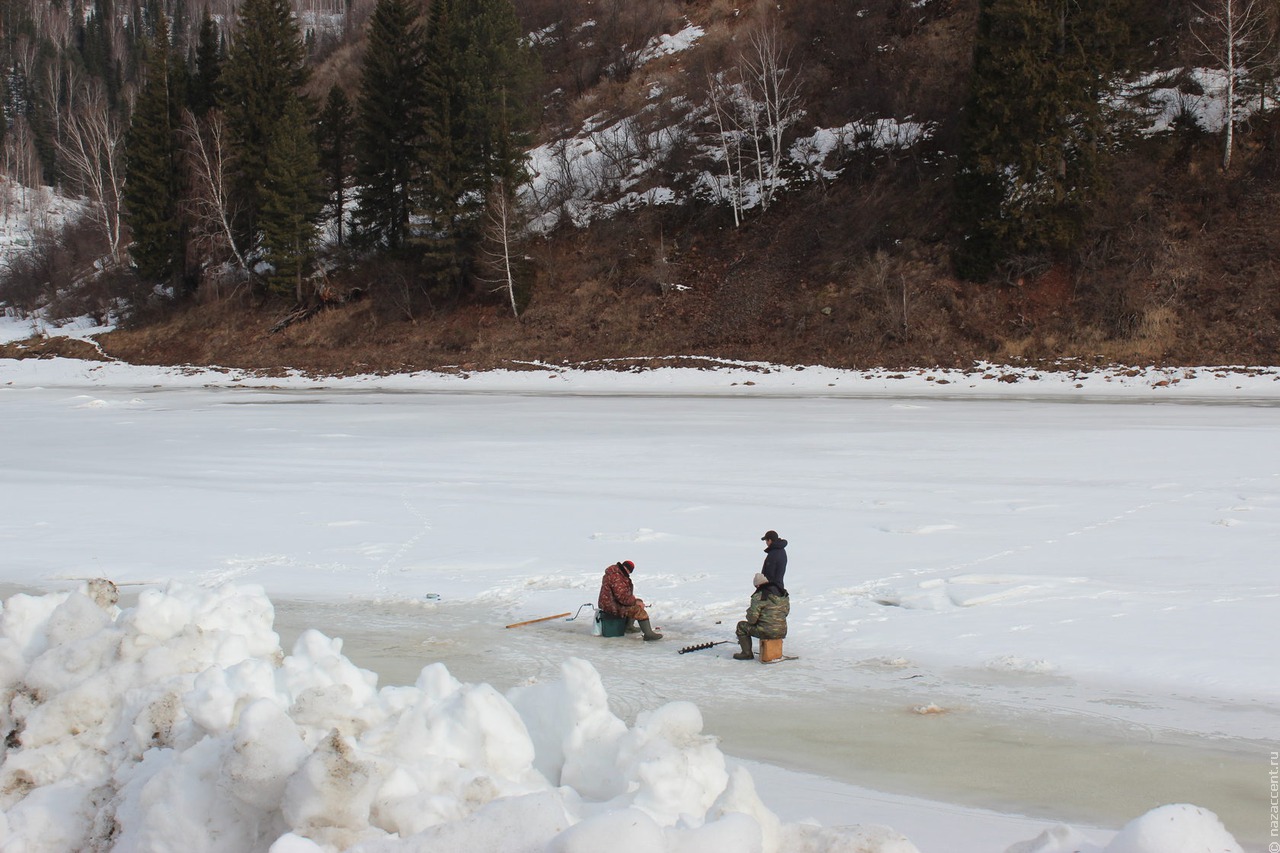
(353, 185)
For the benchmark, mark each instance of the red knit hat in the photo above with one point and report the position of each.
(628, 565)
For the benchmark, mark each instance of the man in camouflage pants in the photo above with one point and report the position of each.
(766, 616)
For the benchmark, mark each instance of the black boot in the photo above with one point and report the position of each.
(745, 654)
(647, 630)
(631, 627)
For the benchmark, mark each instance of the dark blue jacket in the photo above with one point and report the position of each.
(775, 563)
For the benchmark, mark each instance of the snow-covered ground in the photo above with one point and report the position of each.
(1022, 603)
(26, 213)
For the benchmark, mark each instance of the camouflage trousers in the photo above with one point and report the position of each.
(635, 611)
(746, 629)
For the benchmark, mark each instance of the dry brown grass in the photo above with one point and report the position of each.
(1154, 337)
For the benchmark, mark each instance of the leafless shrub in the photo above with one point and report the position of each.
(1020, 269)
(63, 277)
(26, 280)
(397, 288)
(886, 297)
(559, 184)
(58, 261)
(1175, 274)
(627, 26)
(592, 40)
(114, 293)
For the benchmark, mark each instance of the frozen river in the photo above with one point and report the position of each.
(872, 730)
(1060, 610)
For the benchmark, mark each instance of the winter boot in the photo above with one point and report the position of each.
(631, 627)
(647, 630)
(745, 654)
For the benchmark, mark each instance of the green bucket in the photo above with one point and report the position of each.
(610, 627)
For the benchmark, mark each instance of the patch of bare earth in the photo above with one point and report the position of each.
(52, 347)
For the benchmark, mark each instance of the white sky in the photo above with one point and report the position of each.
(1052, 597)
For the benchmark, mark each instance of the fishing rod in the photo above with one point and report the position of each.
(539, 619)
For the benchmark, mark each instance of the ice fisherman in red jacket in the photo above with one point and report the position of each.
(618, 598)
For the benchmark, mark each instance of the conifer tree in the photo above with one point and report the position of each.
(292, 200)
(153, 185)
(1035, 127)
(207, 64)
(94, 46)
(334, 137)
(390, 130)
(480, 77)
(41, 106)
(263, 74)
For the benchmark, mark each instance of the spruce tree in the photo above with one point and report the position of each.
(292, 200)
(499, 107)
(42, 109)
(390, 129)
(480, 79)
(94, 48)
(334, 134)
(1035, 127)
(207, 62)
(153, 168)
(263, 74)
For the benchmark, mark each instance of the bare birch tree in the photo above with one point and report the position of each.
(63, 86)
(51, 21)
(752, 108)
(498, 250)
(774, 92)
(91, 152)
(729, 140)
(1235, 34)
(211, 206)
(21, 160)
